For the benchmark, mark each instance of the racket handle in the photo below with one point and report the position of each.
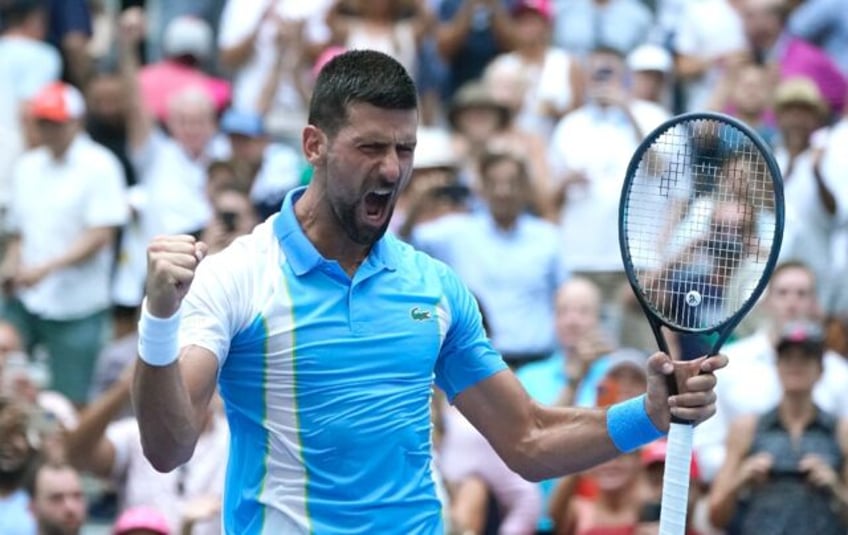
(675, 492)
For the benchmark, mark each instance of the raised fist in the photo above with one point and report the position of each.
(171, 262)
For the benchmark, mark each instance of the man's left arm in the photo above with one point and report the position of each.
(546, 442)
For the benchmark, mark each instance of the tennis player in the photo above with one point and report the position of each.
(325, 336)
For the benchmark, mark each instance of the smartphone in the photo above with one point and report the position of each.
(228, 220)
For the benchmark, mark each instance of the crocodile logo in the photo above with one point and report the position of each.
(420, 315)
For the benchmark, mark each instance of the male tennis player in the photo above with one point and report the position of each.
(325, 336)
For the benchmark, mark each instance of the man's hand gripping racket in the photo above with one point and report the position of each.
(700, 227)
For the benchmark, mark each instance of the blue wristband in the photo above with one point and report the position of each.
(629, 425)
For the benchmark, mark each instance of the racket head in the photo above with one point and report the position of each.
(706, 161)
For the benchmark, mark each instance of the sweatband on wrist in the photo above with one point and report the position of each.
(157, 338)
(629, 425)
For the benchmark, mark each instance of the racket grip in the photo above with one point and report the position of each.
(675, 492)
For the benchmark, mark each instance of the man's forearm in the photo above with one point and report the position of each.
(566, 440)
(166, 417)
(89, 244)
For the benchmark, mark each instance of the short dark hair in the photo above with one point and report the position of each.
(15, 12)
(359, 76)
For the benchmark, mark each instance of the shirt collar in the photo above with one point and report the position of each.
(302, 255)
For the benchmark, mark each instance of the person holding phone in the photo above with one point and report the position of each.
(234, 216)
(786, 471)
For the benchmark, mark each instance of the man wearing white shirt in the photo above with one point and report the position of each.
(68, 199)
(170, 196)
(709, 38)
(589, 153)
(27, 64)
(750, 385)
(811, 205)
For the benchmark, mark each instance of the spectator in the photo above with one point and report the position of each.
(811, 206)
(790, 296)
(552, 77)
(187, 46)
(171, 169)
(58, 502)
(470, 34)
(106, 120)
(68, 199)
(112, 449)
(26, 65)
(823, 23)
(834, 165)
(507, 257)
(18, 458)
(118, 353)
(608, 498)
(69, 30)
(569, 376)
(246, 45)
(581, 26)
(393, 27)
(746, 92)
(703, 50)
(589, 153)
(234, 216)
(269, 170)
(434, 189)
(476, 118)
(652, 71)
(785, 469)
(770, 43)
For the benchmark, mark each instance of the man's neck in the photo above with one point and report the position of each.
(315, 216)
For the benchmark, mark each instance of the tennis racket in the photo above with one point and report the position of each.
(700, 226)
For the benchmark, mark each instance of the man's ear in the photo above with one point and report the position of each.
(315, 143)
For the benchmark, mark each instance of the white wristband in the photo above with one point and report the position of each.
(157, 338)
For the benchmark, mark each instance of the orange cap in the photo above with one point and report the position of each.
(57, 102)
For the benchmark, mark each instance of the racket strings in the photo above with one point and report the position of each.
(699, 222)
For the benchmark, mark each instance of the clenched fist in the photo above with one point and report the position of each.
(171, 261)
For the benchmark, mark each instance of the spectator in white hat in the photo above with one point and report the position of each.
(651, 68)
(187, 45)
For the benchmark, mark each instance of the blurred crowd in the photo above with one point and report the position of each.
(121, 120)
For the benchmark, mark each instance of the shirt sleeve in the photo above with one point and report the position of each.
(218, 303)
(467, 356)
(122, 434)
(108, 201)
(237, 21)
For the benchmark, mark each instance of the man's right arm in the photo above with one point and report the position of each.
(170, 393)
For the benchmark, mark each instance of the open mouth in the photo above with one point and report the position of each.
(376, 205)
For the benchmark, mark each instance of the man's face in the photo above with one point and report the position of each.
(365, 167)
(15, 449)
(56, 136)
(505, 190)
(59, 503)
(762, 22)
(106, 100)
(577, 313)
(192, 126)
(799, 368)
(798, 121)
(791, 296)
(248, 149)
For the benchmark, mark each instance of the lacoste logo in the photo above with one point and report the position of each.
(420, 315)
